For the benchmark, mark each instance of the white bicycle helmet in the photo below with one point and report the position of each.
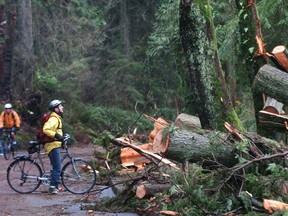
(53, 104)
(8, 106)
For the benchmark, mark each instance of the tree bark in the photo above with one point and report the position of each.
(10, 9)
(207, 147)
(2, 43)
(186, 145)
(272, 82)
(207, 90)
(23, 70)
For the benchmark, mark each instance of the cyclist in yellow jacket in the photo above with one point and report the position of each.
(9, 119)
(53, 128)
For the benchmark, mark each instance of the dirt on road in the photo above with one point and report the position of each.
(40, 202)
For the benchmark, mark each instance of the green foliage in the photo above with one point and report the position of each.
(273, 18)
(195, 199)
(104, 139)
(166, 31)
(115, 120)
(101, 124)
(164, 56)
(47, 84)
(246, 199)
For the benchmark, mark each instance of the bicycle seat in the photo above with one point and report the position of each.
(33, 142)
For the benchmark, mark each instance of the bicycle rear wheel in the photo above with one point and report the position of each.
(7, 149)
(23, 175)
(78, 176)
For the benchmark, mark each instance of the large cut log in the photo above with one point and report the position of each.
(186, 145)
(207, 147)
(272, 82)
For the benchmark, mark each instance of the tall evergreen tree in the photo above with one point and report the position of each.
(206, 84)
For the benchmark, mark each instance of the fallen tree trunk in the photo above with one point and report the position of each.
(187, 145)
(272, 82)
(202, 146)
(209, 148)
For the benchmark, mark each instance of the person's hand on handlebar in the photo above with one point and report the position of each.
(63, 138)
(14, 129)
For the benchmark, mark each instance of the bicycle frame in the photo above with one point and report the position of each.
(27, 172)
(39, 158)
(8, 133)
(8, 143)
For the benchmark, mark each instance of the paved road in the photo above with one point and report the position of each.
(40, 203)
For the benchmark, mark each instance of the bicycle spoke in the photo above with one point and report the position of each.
(23, 176)
(78, 177)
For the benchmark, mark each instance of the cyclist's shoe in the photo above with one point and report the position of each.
(60, 189)
(53, 190)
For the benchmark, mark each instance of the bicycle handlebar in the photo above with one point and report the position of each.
(6, 129)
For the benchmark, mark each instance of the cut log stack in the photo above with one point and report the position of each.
(273, 83)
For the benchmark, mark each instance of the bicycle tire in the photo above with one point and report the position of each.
(7, 149)
(14, 150)
(78, 176)
(18, 172)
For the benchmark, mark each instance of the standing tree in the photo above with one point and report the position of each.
(206, 84)
(23, 71)
(10, 12)
(2, 42)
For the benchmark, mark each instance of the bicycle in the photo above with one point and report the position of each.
(9, 147)
(27, 173)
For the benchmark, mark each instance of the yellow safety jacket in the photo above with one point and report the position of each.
(50, 128)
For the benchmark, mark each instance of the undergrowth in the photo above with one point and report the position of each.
(207, 192)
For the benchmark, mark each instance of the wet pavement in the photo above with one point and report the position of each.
(40, 203)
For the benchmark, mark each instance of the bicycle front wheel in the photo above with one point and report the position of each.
(23, 175)
(78, 176)
(7, 149)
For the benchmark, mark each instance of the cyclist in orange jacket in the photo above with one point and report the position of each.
(9, 119)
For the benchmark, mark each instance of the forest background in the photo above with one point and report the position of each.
(111, 60)
(106, 59)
